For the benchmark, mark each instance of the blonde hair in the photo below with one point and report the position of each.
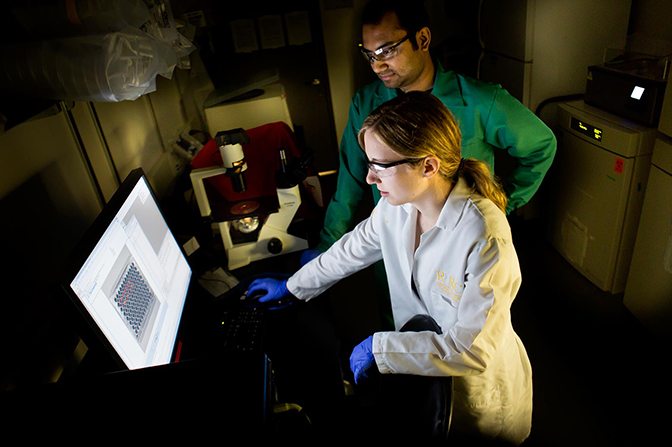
(417, 125)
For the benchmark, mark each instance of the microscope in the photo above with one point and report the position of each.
(252, 228)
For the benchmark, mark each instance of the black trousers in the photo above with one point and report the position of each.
(412, 407)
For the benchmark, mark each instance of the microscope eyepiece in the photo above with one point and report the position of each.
(233, 158)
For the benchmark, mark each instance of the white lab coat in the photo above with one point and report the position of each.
(466, 273)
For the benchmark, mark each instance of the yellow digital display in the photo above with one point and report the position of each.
(587, 129)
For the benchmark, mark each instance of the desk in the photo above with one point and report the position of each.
(225, 395)
(301, 343)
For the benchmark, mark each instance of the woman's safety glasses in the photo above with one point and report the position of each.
(382, 170)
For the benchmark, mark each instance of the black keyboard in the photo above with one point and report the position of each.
(243, 329)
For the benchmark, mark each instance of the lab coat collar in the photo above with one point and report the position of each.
(452, 209)
(447, 86)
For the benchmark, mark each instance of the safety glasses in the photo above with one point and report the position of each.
(382, 170)
(382, 54)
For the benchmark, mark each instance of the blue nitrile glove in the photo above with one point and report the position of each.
(309, 255)
(275, 289)
(362, 359)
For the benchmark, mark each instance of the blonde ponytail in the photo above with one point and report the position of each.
(478, 176)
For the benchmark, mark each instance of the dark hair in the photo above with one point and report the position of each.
(411, 14)
(416, 125)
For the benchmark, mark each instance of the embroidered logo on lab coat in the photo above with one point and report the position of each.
(448, 285)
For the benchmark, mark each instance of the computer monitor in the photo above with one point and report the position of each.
(129, 278)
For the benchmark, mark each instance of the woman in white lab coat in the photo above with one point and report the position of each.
(441, 230)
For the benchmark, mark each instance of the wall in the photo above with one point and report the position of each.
(340, 39)
(652, 17)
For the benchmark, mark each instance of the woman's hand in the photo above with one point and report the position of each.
(362, 359)
(275, 289)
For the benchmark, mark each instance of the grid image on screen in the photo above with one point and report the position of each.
(136, 303)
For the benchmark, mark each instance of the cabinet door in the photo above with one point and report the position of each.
(648, 293)
(47, 190)
(506, 28)
(132, 135)
(48, 198)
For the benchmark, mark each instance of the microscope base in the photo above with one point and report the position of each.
(240, 255)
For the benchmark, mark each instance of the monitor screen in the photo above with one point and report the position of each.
(134, 280)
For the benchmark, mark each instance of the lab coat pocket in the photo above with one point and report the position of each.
(441, 300)
(479, 411)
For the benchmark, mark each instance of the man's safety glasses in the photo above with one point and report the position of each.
(382, 54)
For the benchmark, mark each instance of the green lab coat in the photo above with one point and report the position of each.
(489, 118)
